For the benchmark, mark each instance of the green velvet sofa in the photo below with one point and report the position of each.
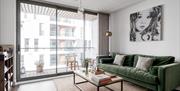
(163, 75)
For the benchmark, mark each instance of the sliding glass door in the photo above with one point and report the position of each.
(49, 35)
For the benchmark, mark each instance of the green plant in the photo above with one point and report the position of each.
(86, 62)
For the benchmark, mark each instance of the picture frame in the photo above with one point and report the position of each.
(146, 25)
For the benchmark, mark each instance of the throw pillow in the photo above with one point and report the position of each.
(119, 59)
(144, 63)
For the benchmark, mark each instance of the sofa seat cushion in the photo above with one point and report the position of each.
(130, 72)
(138, 74)
(112, 68)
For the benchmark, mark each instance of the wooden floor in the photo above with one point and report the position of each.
(66, 84)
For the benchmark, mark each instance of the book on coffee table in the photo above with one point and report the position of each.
(101, 79)
(97, 72)
(110, 75)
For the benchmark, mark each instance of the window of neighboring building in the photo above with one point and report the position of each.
(52, 18)
(52, 30)
(53, 44)
(22, 60)
(69, 45)
(41, 58)
(67, 31)
(41, 31)
(25, 16)
(36, 44)
(85, 43)
(52, 59)
(66, 20)
(26, 44)
(22, 70)
(89, 43)
(34, 16)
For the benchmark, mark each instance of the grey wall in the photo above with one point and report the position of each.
(7, 21)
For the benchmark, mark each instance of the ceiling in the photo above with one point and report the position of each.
(41, 10)
(106, 6)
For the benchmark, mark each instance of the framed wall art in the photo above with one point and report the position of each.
(146, 25)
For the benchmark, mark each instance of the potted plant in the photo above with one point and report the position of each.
(39, 66)
(86, 64)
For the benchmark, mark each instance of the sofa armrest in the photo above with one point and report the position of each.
(106, 60)
(102, 56)
(169, 76)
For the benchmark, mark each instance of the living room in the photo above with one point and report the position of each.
(44, 36)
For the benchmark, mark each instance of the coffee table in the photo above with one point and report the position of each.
(87, 78)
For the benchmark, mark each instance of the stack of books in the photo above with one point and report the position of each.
(97, 72)
(101, 79)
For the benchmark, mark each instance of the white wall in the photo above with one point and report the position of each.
(8, 24)
(170, 45)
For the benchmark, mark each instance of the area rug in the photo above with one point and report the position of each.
(66, 84)
(38, 86)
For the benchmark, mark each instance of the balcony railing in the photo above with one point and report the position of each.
(61, 59)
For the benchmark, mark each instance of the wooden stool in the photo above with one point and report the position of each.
(71, 62)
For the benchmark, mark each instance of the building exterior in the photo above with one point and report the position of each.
(42, 44)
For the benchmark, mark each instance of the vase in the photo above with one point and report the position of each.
(86, 66)
(39, 69)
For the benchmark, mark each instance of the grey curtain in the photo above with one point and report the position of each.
(103, 24)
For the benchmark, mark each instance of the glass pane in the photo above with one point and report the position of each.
(91, 37)
(38, 41)
(46, 45)
(38, 63)
(36, 28)
(70, 40)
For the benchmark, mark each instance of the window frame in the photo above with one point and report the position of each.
(18, 32)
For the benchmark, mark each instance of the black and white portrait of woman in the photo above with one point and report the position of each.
(146, 25)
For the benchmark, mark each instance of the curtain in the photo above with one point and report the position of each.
(103, 23)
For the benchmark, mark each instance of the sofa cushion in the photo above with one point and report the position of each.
(106, 60)
(109, 67)
(130, 72)
(119, 60)
(129, 60)
(113, 54)
(98, 58)
(158, 60)
(144, 63)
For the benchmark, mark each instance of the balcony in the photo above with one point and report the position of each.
(47, 61)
